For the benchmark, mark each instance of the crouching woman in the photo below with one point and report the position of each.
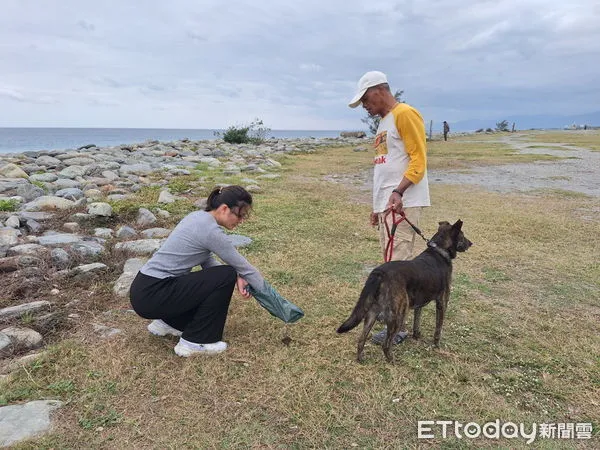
(194, 305)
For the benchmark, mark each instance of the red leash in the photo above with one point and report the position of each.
(389, 248)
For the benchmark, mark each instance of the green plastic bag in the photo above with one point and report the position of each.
(278, 306)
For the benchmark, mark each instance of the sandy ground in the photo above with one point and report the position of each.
(580, 173)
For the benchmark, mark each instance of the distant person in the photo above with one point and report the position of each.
(400, 175)
(193, 304)
(446, 130)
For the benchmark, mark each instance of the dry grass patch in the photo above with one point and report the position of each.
(521, 341)
(589, 139)
(466, 153)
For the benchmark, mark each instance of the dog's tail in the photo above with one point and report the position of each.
(369, 293)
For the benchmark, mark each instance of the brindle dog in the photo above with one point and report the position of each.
(394, 287)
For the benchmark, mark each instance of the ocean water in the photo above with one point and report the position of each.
(14, 140)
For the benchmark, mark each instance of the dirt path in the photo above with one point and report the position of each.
(579, 173)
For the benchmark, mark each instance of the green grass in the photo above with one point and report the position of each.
(520, 343)
(8, 204)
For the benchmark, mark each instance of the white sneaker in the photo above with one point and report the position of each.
(186, 348)
(159, 328)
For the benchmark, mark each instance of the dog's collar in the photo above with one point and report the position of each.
(443, 253)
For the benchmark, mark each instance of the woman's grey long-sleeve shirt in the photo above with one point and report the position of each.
(192, 243)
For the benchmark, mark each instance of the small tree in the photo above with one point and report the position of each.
(254, 133)
(373, 121)
(502, 126)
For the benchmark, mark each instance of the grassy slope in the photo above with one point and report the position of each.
(521, 341)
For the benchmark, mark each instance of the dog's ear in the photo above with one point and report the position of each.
(443, 223)
(458, 225)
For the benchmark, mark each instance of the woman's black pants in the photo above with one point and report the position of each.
(195, 303)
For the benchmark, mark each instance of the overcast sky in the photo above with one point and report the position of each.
(211, 64)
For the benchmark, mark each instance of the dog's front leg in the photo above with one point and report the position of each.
(417, 323)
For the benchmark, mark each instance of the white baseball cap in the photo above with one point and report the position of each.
(368, 80)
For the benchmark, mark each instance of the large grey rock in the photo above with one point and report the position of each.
(214, 162)
(353, 134)
(87, 249)
(104, 233)
(44, 177)
(29, 192)
(79, 161)
(100, 209)
(166, 197)
(13, 222)
(131, 268)
(25, 421)
(140, 247)
(58, 239)
(136, 169)
(126, 232)
(22, 338)
(9, 237)
(48, 161)
(12, 171)
(26, 308)
(86, 271)
(155, 233)
(70, 193)
(64, 183)
(33, 226)
(14, 263)
(28, 249)
(145, 218)
(72, 172)
(10, 184)
(48, 202)
(5, 346)
(110, 175)
(60, 258)
(35, 215)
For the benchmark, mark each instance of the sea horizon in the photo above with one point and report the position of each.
(23, 139)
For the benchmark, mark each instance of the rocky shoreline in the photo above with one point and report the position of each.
(74, 220)
(60, 215)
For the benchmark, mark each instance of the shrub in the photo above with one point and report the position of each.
(254, 133)
(502, 126)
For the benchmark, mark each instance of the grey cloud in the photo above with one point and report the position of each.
(297, 62)
(87, 26)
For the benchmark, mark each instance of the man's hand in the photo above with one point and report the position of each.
(395, 202)
(242, 286)
(374, 219)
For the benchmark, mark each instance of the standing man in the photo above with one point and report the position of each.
(446, 130)
(400, 174)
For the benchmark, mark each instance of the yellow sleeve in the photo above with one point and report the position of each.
(412, 131)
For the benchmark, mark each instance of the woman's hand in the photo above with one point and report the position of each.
(242, 286)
